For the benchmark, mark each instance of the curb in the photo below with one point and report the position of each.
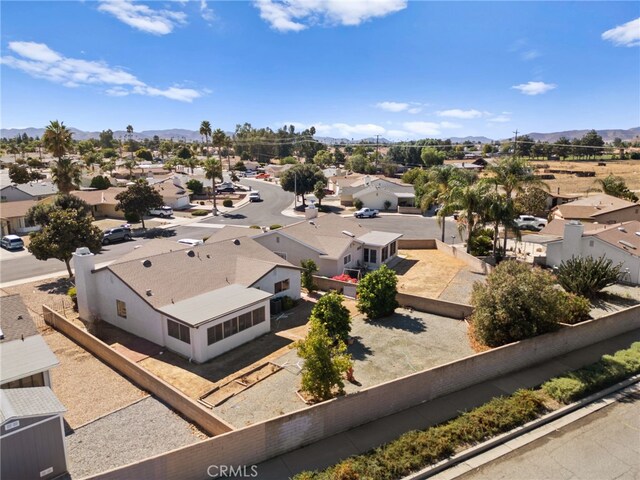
(458, 459)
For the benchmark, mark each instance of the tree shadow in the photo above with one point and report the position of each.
(404, 265)
(58, 287)
(358, 350)
(160, 233)
(234, 216)
(612, 301)
(399, 321)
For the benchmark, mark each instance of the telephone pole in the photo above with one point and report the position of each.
(515, 144)
(377, 152)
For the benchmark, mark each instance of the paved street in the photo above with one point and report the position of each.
(602, 446)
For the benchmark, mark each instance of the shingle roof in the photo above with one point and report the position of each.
(28, 402)
(556, 227)
(15, 319)
(178, 275)
(38, 188)
(625, 236)
(22, 358)
(99, 197)
(592, 206)
(16, 209)
(383, 183)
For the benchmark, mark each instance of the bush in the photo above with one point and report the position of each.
(200, 213)
(100, 182)
(516, 302)
(576, 309)
(608, 370)
(227, 202)
(377, 293)
(358, 204)
(275, 226)
(255, 227)
(72, 292)
(309, 268)
(287, 302)
(195, 186)
(480, 244)
(335, 317)
(131, 217)
(387, 204)
(586, 276)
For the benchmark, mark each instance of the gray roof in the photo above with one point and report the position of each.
(379, 239)
(15, 319)
(28, 402)
(22, 358)
(208, 306)
(37, 189)
(540, 238)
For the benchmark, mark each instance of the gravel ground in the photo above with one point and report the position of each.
(616, 297)
(459, 288)
(404, 343)
(136, 432)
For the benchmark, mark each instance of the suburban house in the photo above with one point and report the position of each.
(12, 217)
(276, 170)
(103, 202)
(374, 192)
(619, 242)
(24, 355)
(334, 243)
(198, 301)
(28, 191)
(173, 192)
(600, 208)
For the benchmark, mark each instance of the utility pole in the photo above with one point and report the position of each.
(377, 153)
(515, 144)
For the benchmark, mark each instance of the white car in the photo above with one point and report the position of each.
(529, 222)
(192, 242)
(254, 196)
(163, 211)
(366, 213)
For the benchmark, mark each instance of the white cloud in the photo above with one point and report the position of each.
(530, 55)
(396, 134)
(500, 119)
(414, 110)
(422, 128)
(392, 106)
(450, 125)
(627, 35)
(39, 61)
(534, 88)
(143, 18)
(206, 13)
(296, 15)
(457, 113)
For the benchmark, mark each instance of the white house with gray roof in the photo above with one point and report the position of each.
(28, 191)
(375, 192)
(334, 243)
(198, 301)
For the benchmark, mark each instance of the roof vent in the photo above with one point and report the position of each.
(638, 234)
(348, 233)
(191, 253)
(622, 229)
(149, 292)
(147, 263)
(236, 241)
(627, 244)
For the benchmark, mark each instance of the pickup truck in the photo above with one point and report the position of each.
(529, 222)
(366, 213)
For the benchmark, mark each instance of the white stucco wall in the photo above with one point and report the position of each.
(13, 194)
(376, 199)
(267, 283)
(295, 251)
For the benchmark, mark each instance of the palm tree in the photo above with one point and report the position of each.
(205, 131)
(130, 165)
(66, 174)
(213, 170)
(219, 140)
(469, 197)
(130, 137)
(437, 190)
(57, 139)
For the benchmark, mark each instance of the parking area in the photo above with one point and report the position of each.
(383, 350)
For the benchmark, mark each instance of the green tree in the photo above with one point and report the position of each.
(65, 231)
(130, 140)
(562, 147)
(66, 174)
(19, 174)
(195, 186)
(106, 139)
(184, 153)
(109, 153)
(309, 269)
(130, 165)
(219, 140)
(57, 139)
(324, 363)
(40, 213)
(144, 154)
(516, 302)
(99, 182)
(323, 159)
(532, 201)
(435, 187)
(302, 179)
(377, 293)
(205, 131)
(616, 186)
(318, 191)
(593, 140)
(212, 171)
(138, 199)
(359, 163)
(289, 161)
(487, 149)
(587, 276)
(431, 157)
(330, 311)
(469, 197)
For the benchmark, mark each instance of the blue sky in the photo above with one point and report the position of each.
(352, 69)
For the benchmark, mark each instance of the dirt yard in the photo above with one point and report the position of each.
(426, 272)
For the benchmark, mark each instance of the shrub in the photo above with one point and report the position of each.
(358, 204)
(576, 309)
(131, 217)
(586, 276)
(227, 202)
(309, 268)
(195, 186)
(345, 278)
(288, 303)
(516, 302)
(100, 182)
(387, 204)
(377, 293)
(275, 226)
(255, 227)
(72, 292)
(480, 244)
(200, 213)
(335, 317)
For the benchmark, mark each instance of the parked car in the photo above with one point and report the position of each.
(529, 222)
(163, 212)
(190, 241)
(118, 234)
(226, 187)
(12, 242)
(366, 213)
(263, 175)
(255, 196)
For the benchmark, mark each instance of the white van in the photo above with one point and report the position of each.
(12, 242)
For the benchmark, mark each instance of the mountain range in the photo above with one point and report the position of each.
(178, 134)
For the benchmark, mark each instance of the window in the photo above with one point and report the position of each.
(244, 321)
(591, 243)
(227, 328)
(35, 380)
(347, 259)
(122, 308)
(214, 334)
(258, 315)
(281, 254)
(179, 331)
(385, 253)
(281, 286)
(392, 249)
(370, 255)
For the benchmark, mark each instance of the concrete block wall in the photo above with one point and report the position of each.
(268, 439)
(138, 375)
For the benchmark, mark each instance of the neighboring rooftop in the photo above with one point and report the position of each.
(28, 402)
(23, 358)
(588, 208)
(16, 209)
(15, 320)
(556, 227)
(99, 197)
(37, 189)
(379, 239)
(624, 235)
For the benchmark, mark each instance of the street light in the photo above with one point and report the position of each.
(453, 237)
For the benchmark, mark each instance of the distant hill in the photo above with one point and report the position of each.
(607, 135)
(469, 139)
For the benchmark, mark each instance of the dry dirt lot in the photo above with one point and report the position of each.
(426, 272)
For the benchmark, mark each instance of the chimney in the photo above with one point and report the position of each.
(572, 240)
(84, 263)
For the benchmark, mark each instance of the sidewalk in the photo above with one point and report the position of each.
(331, 450)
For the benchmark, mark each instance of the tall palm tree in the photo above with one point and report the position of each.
(469, 197)
(57, 139)
(130, 137)
(66, 174)
(205, 131)
(219, 138)
(437, 190)
(212, 170)
(130, 165)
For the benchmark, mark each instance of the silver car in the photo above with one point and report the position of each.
(117, 234)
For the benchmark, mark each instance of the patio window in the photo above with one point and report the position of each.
(214, 334)
(281, 286)
(370, 255)
(122, 308)
(179, 331)
(385, 253)
(258, 315)
(244, 321)
(392, 249)
(347, 259)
